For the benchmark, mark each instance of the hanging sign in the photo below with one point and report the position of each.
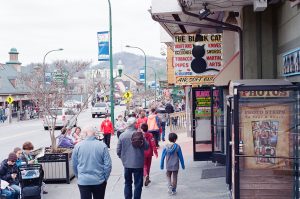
(103, 46)
(197, 58)
(291, 63)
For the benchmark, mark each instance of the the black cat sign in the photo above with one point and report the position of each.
(197, 58)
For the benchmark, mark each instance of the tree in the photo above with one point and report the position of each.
(49, 90)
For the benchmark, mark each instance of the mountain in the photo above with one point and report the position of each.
(132, 64)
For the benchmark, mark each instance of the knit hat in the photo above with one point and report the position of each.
(131, 121)
(12, 157)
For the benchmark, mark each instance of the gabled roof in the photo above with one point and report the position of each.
(133, 78)
(7, 76)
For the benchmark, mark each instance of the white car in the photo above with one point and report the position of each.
(63, 117)
(99, 109)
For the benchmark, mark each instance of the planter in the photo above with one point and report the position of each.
(58, 167)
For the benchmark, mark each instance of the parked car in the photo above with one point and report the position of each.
(99, 109)
(63, 117)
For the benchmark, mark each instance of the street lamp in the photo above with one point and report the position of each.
(112, 107)
(44, 65)
(145, 82)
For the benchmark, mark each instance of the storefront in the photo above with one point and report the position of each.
(265, 149)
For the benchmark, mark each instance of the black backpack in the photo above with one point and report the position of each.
(137, 139)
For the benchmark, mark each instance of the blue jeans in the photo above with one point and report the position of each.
(8, 194)
(17, 190)
(163, 134)
(138, 182)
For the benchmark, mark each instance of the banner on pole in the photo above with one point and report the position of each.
(103, 46)
(142, 75)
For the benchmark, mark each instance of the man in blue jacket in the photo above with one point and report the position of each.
(92, 165)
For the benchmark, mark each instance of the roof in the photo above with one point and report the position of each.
(7, 75)
(13, 51)
(133, 78)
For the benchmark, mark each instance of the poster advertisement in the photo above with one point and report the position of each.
(103, 46)
(203, 106)
(291, 63)
(265, 133)
(197, 58)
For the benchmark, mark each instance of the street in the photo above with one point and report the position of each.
(15, 134)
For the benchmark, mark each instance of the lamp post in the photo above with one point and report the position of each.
(112, 107)
(154, 80)
(44, 63)
(145, 82)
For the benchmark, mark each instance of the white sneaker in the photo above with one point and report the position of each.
(170, 189)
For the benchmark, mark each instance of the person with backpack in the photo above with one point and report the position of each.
(154, 125)
(172, 153)
(130, 149)
(148, 153)
(108, 130)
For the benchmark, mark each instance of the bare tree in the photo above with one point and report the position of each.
(49, 91)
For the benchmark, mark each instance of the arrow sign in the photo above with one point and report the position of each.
(10, 99)
(127, 95)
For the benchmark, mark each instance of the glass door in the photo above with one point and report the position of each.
(202, 137)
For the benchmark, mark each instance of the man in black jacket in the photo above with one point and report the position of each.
(8, 172)
(169, 109)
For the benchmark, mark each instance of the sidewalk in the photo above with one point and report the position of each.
(190, 184)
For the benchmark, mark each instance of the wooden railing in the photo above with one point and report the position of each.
(178, 121)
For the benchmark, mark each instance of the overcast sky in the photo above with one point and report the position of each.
(37, 26)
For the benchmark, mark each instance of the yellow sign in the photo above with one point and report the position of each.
(127, 95)
(194, 80)
(127, 101)
(10, 99)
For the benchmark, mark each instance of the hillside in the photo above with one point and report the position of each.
(132, 64)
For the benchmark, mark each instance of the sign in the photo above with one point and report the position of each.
(10, 99)
(265, 134)
(203, 104)
(127, 95)
(197, 58)
(103, 46)
(142, 75)
(60, 77)
(264, 94)
(291, 63)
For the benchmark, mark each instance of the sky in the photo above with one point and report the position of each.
(36, 26)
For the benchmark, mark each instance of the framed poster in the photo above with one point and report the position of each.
(265, 133)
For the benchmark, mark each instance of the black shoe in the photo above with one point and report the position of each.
(45, 192)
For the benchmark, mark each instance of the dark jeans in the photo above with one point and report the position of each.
(107, 139)
(98, 191)
(163, 134)
(138, 183)
(119, 133)
(156, 136)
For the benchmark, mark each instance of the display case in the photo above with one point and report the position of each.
(264, 139)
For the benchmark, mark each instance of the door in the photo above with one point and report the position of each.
(202, 137)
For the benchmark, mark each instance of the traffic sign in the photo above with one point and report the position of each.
(10, 99)
(127, 95)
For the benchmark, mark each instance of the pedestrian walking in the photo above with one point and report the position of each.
(120, 125)
(132, 159)
(108, 130)
(154, 126)
(142, 119)
(92, 165)
(148, 153)
(172, 153)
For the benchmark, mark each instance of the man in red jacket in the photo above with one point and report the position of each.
(107, 128)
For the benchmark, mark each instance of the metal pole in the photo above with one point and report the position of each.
(145, 64)
(112, 106)
(44, 64)
(155, 85)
